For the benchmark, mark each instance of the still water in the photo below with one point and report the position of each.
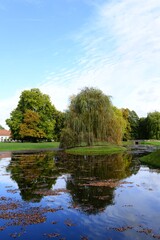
(59, 196)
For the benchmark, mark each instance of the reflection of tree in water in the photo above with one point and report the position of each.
(36, 173)
(87, 169)
(33, 172)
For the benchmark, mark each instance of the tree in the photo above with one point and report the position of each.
(132, 124)
(29, 129)
(1, 127)
(119, 124)
(90, 118)
(33, 117)
(143, 128)
(153, 124)
(127, 131)
(59, 124)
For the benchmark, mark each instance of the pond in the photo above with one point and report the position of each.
(52, 195)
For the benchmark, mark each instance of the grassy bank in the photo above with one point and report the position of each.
(152, 159)
(96, 150)
(9, 146)
(151, 142)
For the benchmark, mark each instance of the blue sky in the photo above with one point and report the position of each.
(62, 46)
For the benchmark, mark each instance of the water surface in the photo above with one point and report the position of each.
(59, 196)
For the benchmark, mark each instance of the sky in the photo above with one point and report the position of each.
(62, 46)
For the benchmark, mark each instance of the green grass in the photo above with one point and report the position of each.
(96, 150)
(17, 146)
(152, 142)
(152, 159)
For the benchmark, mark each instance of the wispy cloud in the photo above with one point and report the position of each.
(120, 54)
(118, 51)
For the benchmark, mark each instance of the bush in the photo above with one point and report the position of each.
(68, 138)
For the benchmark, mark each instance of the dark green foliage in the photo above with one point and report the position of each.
(1, 128)
(59, 124)
(143, 129)
(132, 124)
(153, 124)
(149, 127)
(68, 138)
(127, 132)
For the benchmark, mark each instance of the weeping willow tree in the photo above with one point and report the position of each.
(91, 118)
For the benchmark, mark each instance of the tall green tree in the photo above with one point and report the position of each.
(90, 118)
(132, 124)
(1, 128)
(153, 124)
(59, 124)
(33, 117)
(119, 124)
(143, 128)
(127, 131)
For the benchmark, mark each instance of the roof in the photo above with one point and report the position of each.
(5, 154)
(4, 132)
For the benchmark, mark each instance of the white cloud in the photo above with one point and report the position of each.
(120, 55)
(119, 52)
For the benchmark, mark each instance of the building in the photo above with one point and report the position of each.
(4, 135)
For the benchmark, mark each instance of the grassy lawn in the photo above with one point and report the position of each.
(96, 150)
(152, 142)
(144, 142)
(152, 159)
(8, 146)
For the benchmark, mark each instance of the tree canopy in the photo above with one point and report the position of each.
(132, 124)
(153, 122)
(59, 124)
(91, 118)
(141, 128)
(33, 117)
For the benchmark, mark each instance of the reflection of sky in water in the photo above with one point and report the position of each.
(61, 182)
(4, 162)
(135, 203)
(4, 175)
(5, 181)
(138, 203)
